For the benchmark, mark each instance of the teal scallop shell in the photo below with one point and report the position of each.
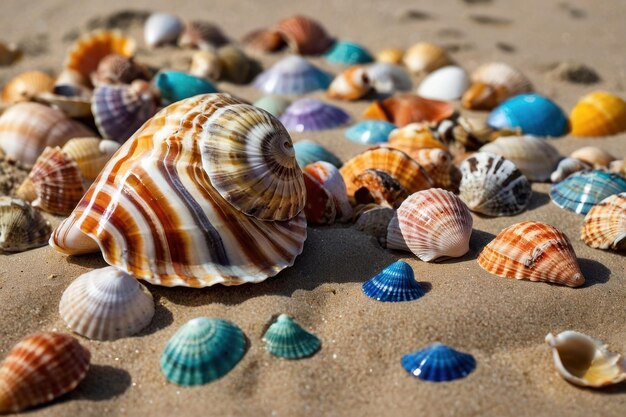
(582, 190)
(274, 105)
(177, 85)
(308, 152)
(370, 132)
(348, 53)
(202, 350)
(286, 339)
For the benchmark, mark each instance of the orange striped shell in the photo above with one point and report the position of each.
(26, 86)
(303, 35)
(351, 84)
(40, 368)
(414, 137)
(533, 251)
(409, 108)
(440, 166)
(605, 224)
(598, 114)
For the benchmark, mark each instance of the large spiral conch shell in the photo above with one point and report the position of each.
(207, 191)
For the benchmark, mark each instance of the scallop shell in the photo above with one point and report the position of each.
(119, 69)
(619, 167)
(439, 165)
(598, 114)
(206, 64)
(27, 128)
(234, 64)
(161, 28)
(201, 34)
(370, 132)
(292, 75)
(567, 167)
(21, 226)
(414, 137)
(374, 221)
(389, 78)
(311, 114)
(584, 361)
(212, 224)
(439, 363)
(409, 108)
(425, 57)
(532, 113)
(329, 177)
(106, 304)
(435, 224)
(287, 339)
(390, 56)
(535, 157)
(393, 284)
(377, 186)
(201, 351)
(348, 53)
(493, 186)
(177, 85)
(397, 164)
(263, 40)
(40, 368)
(27, 86)
(493, 83)
(274, 105)
(446, 83)
(394, 239)
(352, 84)
(90, 154)
(581, 191)
(605, 224)
(532, 251)
(598, 158)
(9, 54)
(308, 152)
(303, 35)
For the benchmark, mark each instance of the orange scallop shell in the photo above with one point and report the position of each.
(413, 138)
(598, 114)
(304, 35)
(605, 224)
(409, 108)
(26, 86)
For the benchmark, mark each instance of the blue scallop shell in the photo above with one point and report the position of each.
(309, 114)
(274, 105)
(286, 339)
(532, 113)
(348, 53)
(438, 362)
(201, 351)
(582, 190)
(308, 152)
(395, 283)
(370, 132)
(177, 85)
(292, 75)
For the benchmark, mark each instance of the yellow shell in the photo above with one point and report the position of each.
(90, 154)
(390, 56)
(26, 86)
(598, 114)
(425, 57)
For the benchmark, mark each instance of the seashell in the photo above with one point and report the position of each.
(572, 72)
(320, 206)
(106, 304)
(161, 28)
(329, 178)
(394, 239)
(370, 132)
(435, 224)
(583, 190)
(21, 226)
(567, 167)
(598, 158)
(389, 78)
(234, 63)
(9, 54)
(439, 165)
(119, 69)
(584, 361)
(532, 251)
(287, 339)
(68, 232)
(605, 224)
(90, 154)
(308, 152)
(292, 75)
(263, 40)
(274, 105)
(119, 110)
(535, 157)
(533, 113)
(598, 114)
(467, 134)
(27, 128)
(212, 224)
(70, 79)
(72, 106)
(26, 86)
(619, 167)
(378, 187)
(303, 35)
(493, 186)
(201, 34)
(177, 85)
(206, 64)
(390, 56)
(308, 114)
(409, 108)
(394, 283)
(439, 363)
(374, 221)
(425, 57)
(40, 368)
(414, 137)
(408, 173)
(493, 83)
(446, 83)
(352, 84)
(348, 53)
(201, 351)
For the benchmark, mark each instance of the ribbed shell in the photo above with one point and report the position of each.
(308, 152)
(581, 191)
(21, 226)
(598, 114)
(374, 221)
(425, 57)
(533, 251)
(493, 83)
(303, 35)
(156, 210)
(309, 114)
(161, 28)
(394, 239)
(568, 166)
(532, 113)
(292, 75)
(348, 53)
(438, 363)
(287, 339)
(605, 224)
(389, 78)
(379, 187)
(439, 164)
(351, 84)
(201, 34)
(394, 283)
(435, 224)
(40, 368)
(26, 86)
(90, 154)
(409, 108)
(414, 137)
(327, 175)
(106, 304)
(119, 69)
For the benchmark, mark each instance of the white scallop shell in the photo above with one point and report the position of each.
(447, 83)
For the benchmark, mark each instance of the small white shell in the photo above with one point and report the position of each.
(567, 167)
(161, 28)
(593, 155)
(447, 83)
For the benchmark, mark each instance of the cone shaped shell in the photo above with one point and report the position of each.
(394, 283)
(90, 154)
(329, 177)
(303, 35)
(286, 339)
(605, 224)
(292, 75)
(26, 86)
(598, 114)
(21, 226)
(408, 108)
(581, 191)
(438, 363)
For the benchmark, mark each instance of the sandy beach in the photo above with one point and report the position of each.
(357, 372)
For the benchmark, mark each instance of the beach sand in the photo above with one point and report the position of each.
(502, 322)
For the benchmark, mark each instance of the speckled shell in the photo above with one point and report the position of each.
(174, 86)
(435, 224)
(287, 339)
(469, 133)
(597, 157)
(532, 113)
(351, 84)
(348, 53)
(374, 221)
(605, 224)
(27, 128)
(493, 83)
(535, 157)
(439, 164)
(446, 83)
(394, 283)
(21, 226)
(201, 34)
(234, 64)
(582, 190)
(292, 75)
(438, 363)
(195, 158)
(370, 132)
(329, 177)
(90, 154)
(263, 40)
(532, 251)
(308, 152)
(389, 78)
(409, 108)
(598, 114)
(119, 69)
(26, 86)
(392, 161)
(161, 28)
(206, 64)
(568, 166)
(309, 114)
(425, 57)
(414, 137)
(390, 56)
(40, 368)
(493, 186)
(303, 35)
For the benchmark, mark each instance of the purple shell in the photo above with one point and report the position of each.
(311, 114)
(292, 75)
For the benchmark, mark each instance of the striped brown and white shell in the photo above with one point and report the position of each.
(201, 34)
(208, 191)
(235, 65)
(27, 86)
(378, 187)
(90, 154)
(206, 64)
(40, 368)
(119, 69)
(21, 226)
(605, 224)
(439, 164)
(532, 251)
(568, 166)
(106, 304)
(351, 84)
(424, 57)
(493, 83)
(597, 157)
(327, 176)
(303, 35)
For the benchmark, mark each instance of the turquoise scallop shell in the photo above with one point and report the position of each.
(370, 132)
(274, 105)
(582, 190)
(202, 350)
(308, 152)
(286, 339)
(177, 85)
(348, 53)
